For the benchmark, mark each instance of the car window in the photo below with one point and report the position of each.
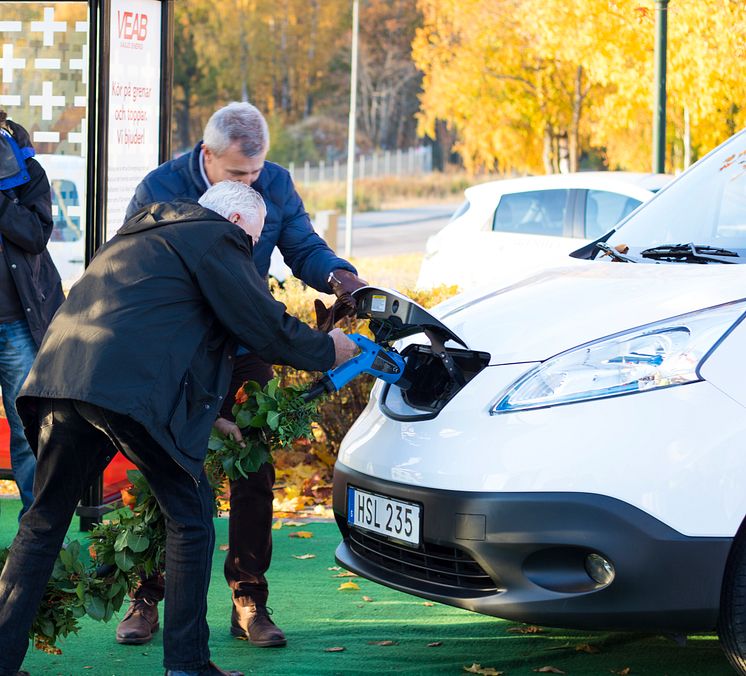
(604, 209)
(538, 212)
(66, 211)
(706, 206)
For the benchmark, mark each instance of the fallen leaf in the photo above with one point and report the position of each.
(334, 568)
(435, 644)
(478, 669)
(428, 604)
(223, 548)
(587, 648)
(304, 556)
(622, 672)
(277, 524)
(348, 585)
(528, 629)
(301, 534)
(383, 643)
(367, 598)
(346, 573)
(549, 670)
(335, 649)
(293, 524)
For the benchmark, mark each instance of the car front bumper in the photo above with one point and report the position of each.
(521, 556)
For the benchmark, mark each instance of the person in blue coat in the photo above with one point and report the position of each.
(234, 147)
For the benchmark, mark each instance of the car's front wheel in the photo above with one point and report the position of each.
(732, 622)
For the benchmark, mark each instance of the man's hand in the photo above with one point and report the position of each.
(230, 429)
(344, 348)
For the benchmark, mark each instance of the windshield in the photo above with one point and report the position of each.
(705, 207)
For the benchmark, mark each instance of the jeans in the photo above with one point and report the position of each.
(17, 353)
(76, 442)
(250, 522)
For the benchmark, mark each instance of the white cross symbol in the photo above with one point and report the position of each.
(81, 64)
(80, 137)
(49, 26)
(47, 101)
(8, 64)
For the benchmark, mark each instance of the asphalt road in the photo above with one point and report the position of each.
(397, 231)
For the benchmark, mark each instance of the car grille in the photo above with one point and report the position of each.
(434, 564)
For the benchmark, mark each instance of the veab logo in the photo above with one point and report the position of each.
(132, 25)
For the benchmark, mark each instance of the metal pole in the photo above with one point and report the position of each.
(351, 133)
(659, 108)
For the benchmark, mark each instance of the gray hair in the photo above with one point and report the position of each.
(239, 123)
(230, 197)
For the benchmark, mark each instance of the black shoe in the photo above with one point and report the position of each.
(251, 620)
(210, 670)
(140, 622)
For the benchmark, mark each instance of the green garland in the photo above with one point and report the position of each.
(133, 543)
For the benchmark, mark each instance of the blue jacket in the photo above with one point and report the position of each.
(287, 225)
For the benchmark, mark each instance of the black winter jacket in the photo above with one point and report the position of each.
(26, 225)
(287, 225)
(151, 328)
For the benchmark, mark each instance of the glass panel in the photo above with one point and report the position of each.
(538, 212)
(603, 210)
(44, 87)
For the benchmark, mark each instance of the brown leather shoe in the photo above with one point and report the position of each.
(252, 621)
(140, 622)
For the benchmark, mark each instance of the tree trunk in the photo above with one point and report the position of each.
(574, 135)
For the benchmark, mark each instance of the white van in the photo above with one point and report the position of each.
(583, 464)
(67, 177)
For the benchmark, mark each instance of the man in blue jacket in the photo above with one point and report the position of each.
(235, 145)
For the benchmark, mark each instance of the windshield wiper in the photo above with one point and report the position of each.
(690, 253)
(616, 255)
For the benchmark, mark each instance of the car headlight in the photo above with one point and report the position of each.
(662, 354)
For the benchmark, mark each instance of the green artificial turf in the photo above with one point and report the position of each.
(316, 615)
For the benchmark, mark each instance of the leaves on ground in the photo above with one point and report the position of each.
(383, 643)
(622, 672)
(428, 604)
(304, 556)
(587, 648)
(548, 670)
(223, 548)
(479, 669)
(345, 573)
(435, 644)
(348, 585)
(334, 649)
(526, 629)
(303, 534)
(367, 598)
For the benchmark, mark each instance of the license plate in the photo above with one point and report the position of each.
(379, 514)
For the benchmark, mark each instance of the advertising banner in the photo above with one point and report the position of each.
(134, 102)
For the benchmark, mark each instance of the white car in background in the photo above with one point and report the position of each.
(509, 229)
(66, 246)
(571, 450)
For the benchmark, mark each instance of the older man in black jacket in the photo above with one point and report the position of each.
(138, 359)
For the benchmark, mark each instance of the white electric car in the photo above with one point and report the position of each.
(571, 450)
(509, 229)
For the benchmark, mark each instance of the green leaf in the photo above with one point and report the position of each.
(95, 608)
(215, 443)
(138, 542)
(243, 419)
(273, 419)
(258, 421)
(124, 560)
(122, 541)
(272, 386)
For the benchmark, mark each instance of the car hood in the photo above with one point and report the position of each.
(558, 309)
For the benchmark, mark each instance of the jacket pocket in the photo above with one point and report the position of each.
(192, 417)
